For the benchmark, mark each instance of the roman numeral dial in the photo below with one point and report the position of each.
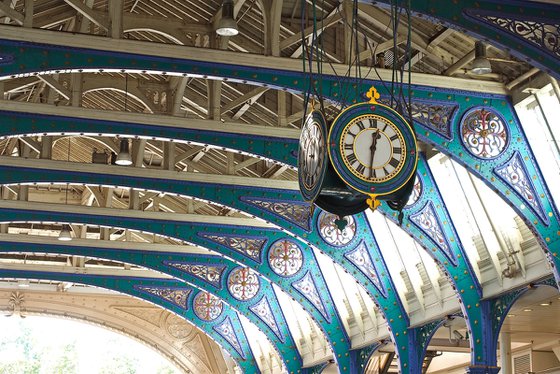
(373, 148)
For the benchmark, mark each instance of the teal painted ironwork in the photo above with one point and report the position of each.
(238, 349)
(495, 172)
(364, 355)
(270, 322)
(428, 221)
(215, 237)
(527, 29)
(501, 305)
(28, 58)
(281, 149)
(323, 312)
(360, 256)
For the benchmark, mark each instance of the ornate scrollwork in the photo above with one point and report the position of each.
(298, 214)
(330, 232)
(263, 311)
(285, 257)
(178, 327)
(484, 133)
(543, 33)
(250, 247)
(435, 116)
(306, 286)
(207, 307)
(514, 174)
(225, 329)
(209, 274)
(360, 257)
(243, 283)
(428, 222)
(177, 296)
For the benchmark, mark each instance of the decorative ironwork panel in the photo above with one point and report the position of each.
(542, 33)
(484, 133)
(435, 116)
(263, 311)
(207, 307)
(243, 283)
(285, 257)
(225, 329)
(297, 213)
(514, 174)
(209, 274)
(428, 222)
(248, 246)
(416, 191)
(331, 233)
(361, 258)
(177, 296)
(306, 286)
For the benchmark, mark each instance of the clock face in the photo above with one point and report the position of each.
(312, 156)
(373, 148)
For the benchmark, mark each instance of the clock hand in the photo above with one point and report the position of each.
(372, 148)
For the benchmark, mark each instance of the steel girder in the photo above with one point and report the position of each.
(428, 208)
(193, 269)
(360, 256)
(172, 295)
(527, 29)
(212, 273)
(531, 199)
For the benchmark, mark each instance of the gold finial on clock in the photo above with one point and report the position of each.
(373, 95)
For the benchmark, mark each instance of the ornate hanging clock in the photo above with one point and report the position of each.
(312, 155)
(373, 150)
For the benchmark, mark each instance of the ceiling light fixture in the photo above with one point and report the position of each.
(65, 234)
(527, 310)
(227, 25)
(481, 64)
(124, 158)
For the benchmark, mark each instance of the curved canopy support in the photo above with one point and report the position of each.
(181, 342)
(160, 292)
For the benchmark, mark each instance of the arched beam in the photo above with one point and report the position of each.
(460, 102)
(211, 232)
(173, 264)
(136, 319)
(150, 289)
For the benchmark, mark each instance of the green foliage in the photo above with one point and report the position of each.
(27, 351)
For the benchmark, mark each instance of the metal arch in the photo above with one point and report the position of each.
(126, 285)
(444, 245)
(384, 292)
(282, 149)
(39, 57)
(465, 99)
(284, 344)
(188, 231)
(501, 305)
(158, 339)
(329, 322)
(494, 20)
